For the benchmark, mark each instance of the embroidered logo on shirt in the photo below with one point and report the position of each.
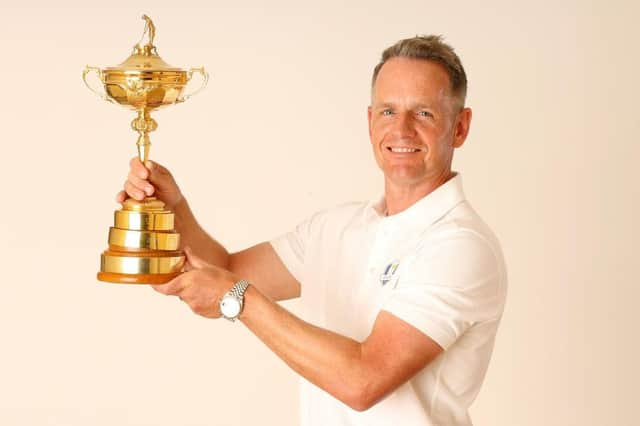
(387, 275)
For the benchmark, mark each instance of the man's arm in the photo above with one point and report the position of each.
(357, 373)
(194, 236)
(262, 266)
(259, 263)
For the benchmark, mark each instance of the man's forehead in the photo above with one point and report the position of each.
(402, 77)
(417, 70)
(411, 81)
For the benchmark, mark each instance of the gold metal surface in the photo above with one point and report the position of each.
(144, 221)
(143, 245)
(203, 84)
(144, 239)
(88, 69)
(144, 82)
(150, 250)
(149, 204)
(140, 264)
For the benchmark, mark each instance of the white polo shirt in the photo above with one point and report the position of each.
(435, 265)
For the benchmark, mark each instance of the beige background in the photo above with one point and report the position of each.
(551, 164)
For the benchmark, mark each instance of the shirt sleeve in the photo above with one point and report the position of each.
(292, 246)
(449, 285)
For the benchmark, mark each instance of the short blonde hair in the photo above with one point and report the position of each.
(429, 48)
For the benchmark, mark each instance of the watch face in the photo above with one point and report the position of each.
(230, 307)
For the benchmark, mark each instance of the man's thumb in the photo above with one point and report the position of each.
(154, 169)
(193, 261)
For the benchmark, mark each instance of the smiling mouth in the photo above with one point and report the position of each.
(402, 150)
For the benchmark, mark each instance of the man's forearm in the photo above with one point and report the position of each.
(259, 263)
(326, 359)
(192, 235)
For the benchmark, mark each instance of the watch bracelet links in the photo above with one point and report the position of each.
(239, 288)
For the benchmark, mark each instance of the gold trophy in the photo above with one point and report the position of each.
(143, 245)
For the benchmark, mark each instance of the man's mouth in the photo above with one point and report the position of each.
(402, 150)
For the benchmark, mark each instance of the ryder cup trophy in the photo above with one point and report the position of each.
(143, 245)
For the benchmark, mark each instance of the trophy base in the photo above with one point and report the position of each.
(116, 278)
(143, 246)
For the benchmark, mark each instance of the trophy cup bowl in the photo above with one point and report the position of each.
(144, 247)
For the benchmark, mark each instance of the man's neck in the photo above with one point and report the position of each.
(400, 197)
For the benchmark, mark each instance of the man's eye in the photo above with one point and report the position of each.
(387, 112)
(425, 114)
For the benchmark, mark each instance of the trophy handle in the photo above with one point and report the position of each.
(98, 71)
(205, 80)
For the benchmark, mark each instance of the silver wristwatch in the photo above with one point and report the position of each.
(232, 302)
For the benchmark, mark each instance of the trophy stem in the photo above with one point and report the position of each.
(143, 147)
(143, 124)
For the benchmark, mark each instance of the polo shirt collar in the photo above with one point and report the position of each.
(428, 209)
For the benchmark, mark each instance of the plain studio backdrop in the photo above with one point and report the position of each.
(279, 133)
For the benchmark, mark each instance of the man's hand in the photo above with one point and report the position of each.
(201, 286)
(150, 179)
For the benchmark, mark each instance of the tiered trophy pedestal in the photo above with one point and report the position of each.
(143, 245)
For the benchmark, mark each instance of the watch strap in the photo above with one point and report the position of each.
(238, 289)
(237, 292)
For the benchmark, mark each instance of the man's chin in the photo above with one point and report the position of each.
(404, 177)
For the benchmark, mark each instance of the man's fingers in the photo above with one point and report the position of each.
(133, 191)
(173, 287)
(141, 184)
(121, 197)
(137, 168)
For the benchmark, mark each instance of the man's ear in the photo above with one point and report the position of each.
(369, 119)
(462, 126)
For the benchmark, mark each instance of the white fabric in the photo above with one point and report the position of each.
(435, 265)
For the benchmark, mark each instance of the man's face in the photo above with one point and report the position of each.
(414, 123)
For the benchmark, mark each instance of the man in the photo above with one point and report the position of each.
(403, 296)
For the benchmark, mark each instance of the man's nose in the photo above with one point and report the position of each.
(404, 125)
